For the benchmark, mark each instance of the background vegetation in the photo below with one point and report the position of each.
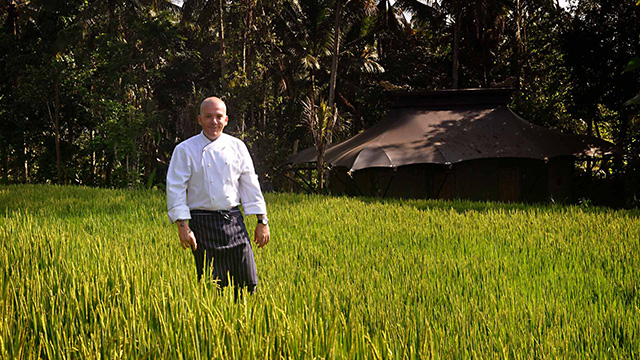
(99, 92)
(97, 273)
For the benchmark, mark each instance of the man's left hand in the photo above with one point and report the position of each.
(262, 235)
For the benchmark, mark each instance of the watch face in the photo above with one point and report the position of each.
(263, 221)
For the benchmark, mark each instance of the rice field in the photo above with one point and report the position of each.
(95, 273)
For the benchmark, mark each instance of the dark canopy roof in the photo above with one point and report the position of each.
(446, 127)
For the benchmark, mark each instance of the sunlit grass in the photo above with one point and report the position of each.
(90, 273)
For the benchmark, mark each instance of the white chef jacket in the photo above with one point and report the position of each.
(212, 175)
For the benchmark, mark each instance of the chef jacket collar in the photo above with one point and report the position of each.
(217, 144)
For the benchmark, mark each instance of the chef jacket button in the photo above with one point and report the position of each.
(228, 180)
(209, 165)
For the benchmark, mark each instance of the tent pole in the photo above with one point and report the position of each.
(296, 183)
(355, 183)
(305, 181)
(535, 181)
(357, 188)
(442, 184)
(395, 169)
(342, 181)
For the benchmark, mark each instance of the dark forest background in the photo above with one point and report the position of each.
(98, 93)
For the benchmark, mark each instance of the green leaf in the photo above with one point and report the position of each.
(634, 64)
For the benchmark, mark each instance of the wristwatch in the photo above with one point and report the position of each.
(263, 221)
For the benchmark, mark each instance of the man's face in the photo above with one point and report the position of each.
(213, 118)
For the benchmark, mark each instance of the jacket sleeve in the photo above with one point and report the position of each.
(178, 176)
(248, 186)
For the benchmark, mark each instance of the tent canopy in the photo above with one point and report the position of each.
(451, 126)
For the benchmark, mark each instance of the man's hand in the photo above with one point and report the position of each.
(187, 238)
(262, 235)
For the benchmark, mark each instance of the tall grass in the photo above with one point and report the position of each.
(90, 273)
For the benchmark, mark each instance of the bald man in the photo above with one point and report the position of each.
(209, 176)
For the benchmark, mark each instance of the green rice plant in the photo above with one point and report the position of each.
(96, 273)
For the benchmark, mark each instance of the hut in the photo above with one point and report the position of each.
(457, 144)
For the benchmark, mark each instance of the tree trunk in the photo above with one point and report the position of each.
(334, 70)
(381, 47)
(316, 125)
(252, 116)
(94, 168)
(57, 130)
(320, 169)
(242, 125)
(109, 168)
(248, 23)
(485, 60)
(12, 18)
(456, 50)
(26, 160)
(222, 54)
(519, 48)
(525, 54)
(4, 169)
(244, 48)
(7, 164)
(263, 119)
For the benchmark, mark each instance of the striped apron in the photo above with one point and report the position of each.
(224, 248)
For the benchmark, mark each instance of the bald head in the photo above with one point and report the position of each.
(213, 117)
(215, 101)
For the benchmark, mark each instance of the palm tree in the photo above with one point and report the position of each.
(320, 120)
(314, 31)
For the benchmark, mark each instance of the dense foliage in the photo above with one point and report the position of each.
(99, 92)
(97, 273)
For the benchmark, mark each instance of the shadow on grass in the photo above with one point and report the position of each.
(463, 206)
(75, 201)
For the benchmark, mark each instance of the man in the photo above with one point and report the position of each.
(208, 176)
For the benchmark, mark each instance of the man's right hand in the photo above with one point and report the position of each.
(187, 238)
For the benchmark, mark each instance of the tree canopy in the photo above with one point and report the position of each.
(99, 92)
